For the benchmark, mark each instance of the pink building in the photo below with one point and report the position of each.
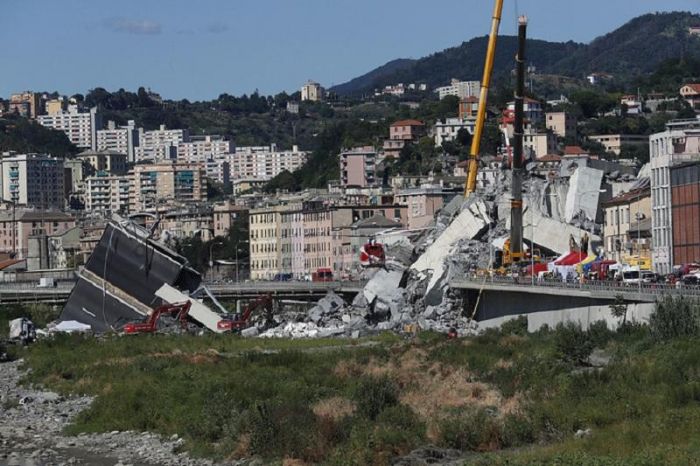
(407, 130)
(357, 167)
(16, 228)
(401, 133)
(422, 204)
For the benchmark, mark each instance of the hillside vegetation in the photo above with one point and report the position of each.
(637, 47)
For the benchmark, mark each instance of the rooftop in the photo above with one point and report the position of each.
(408, 123)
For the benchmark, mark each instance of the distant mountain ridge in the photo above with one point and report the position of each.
(636, 47)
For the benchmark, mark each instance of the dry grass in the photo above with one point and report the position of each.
(334, 408)
(432, 390)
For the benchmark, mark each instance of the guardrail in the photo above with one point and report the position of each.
(646, 290)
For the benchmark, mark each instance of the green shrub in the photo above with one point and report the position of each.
(517, 326)
(674, 318)
(599, 333)
(374, 394)
(471, 430)
(573, 343)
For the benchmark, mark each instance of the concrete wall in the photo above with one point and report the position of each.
(498, 307)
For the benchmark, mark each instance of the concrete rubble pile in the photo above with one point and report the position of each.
(413, 288)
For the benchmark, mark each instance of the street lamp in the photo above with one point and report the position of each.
(237, 267)
(211, 248)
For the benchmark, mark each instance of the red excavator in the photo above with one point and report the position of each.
(372, 254)
(150, 325)
(238, 322)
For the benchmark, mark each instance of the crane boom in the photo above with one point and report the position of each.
(516, 203)
(481, 113)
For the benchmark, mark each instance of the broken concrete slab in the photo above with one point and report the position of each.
(471, 222)
(583, 194)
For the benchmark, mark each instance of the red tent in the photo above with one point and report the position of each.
(572, 258)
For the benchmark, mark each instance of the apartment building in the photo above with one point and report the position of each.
(203, 148)
(56, 106)
(107, 193)
(74, 173)
(26, 104)
(122, 139)
(468, 107)
(33, 180)
(615, 142)
(264, 162)
(312, 91)
(16, 228)
(225, 214)
(538, 144)
(160, 144)
(622, 232)
(357, 167)
(106, 160)
(562, 124)
(422, 205)
(678, 144)
(447, 129)
(685, 212)
(301, 237)
(461, 89)
(532, 110)
(80, 127)
(400, 133)
(177, 182)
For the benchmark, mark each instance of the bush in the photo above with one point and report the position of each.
(599, 333)
(674, 318)
(573, 343)
(471, 430)
(374, 394)
(517, 326)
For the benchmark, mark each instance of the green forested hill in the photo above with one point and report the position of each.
(637, 47)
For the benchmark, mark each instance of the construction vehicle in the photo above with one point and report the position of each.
(322, 275)
(372, 254)
(150, 325)
(238, 322)
(483, 96)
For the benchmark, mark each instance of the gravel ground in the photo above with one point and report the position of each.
(32, 421)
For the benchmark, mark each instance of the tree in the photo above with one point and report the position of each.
(618, 309)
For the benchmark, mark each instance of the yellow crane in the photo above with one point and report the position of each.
(483, 96)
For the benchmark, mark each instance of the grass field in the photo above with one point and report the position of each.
(507, 396)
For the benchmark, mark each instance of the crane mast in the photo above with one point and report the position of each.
(483, 96)
(516, 203)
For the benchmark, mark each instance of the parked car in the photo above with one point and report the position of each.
(322, 275)
(283, 277)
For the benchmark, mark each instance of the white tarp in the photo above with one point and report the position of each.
(71, 326)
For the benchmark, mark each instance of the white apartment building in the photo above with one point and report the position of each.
(160, 144)
(461, 89)
(123, 139)
(203, 148)
(447, 130)
(312, 91)
(538, 144)
(33, 180)
(679, 143)
(264, 162)
(107, 193)
(218, 170)
(80, 127)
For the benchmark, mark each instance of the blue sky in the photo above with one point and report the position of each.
(197, 49)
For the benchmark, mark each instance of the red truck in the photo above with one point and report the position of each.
(322, 275)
